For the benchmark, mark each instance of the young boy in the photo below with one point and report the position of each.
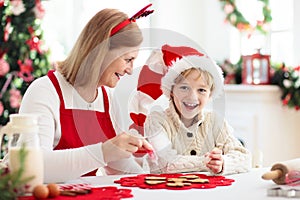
(186, 136)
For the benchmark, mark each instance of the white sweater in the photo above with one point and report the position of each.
(60, 165)
(174, 143)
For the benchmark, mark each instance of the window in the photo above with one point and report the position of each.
(282, 31)
(279, 43)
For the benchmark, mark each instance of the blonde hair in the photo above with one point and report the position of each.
(84, 64)
(205, 75)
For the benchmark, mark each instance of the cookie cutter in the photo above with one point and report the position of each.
(280, 192)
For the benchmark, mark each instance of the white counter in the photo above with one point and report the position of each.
(246, 186)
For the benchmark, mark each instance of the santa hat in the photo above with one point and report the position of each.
(196, 60)
(158, 75)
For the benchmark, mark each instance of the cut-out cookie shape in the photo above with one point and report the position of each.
(198, 180)
(155, 178)
(190, 176)
(154, 182)
(177, 184)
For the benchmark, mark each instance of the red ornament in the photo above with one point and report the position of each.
(256, 69)
(25, 70)
(34, 43)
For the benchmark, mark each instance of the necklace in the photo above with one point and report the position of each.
(89, 106)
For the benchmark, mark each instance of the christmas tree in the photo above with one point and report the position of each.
(23, 56)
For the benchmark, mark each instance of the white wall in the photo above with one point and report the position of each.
(296, 33)
(200, 20)
(65, 19)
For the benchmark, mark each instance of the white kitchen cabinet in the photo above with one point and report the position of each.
(269, 130)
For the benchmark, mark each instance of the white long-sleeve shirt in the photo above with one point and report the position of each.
(42, 99)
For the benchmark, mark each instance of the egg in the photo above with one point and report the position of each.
(53, 190)
(40, 192)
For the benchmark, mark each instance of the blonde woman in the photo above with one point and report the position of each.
(79, 125)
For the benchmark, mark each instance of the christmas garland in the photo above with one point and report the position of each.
(286, 78)
(236, 18)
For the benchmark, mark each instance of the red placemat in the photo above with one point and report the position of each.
(100, 193)
(140, 181)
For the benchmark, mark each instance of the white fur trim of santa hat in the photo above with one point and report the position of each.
(194, 61)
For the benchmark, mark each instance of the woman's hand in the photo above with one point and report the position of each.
(122, 146)
(215, 160)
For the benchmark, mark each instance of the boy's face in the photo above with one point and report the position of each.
(190, 95)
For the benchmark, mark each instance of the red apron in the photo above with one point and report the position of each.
(82, 127)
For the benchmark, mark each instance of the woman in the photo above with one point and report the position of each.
(79, 125)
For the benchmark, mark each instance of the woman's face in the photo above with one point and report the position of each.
(119, 67)
(190, 95)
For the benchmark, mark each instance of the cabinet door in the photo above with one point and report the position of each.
(245, 127)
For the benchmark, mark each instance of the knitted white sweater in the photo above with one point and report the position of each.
(182, 149)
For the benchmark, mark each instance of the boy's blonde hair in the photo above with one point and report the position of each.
(205, 75)
(208, 68)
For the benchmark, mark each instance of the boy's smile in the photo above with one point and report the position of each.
(190, 96)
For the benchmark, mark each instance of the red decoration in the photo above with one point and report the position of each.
(34, 43)
(256, 69)
(150, 82)
(142, 13)
(26, 70)
(140, 181)
(172, 54)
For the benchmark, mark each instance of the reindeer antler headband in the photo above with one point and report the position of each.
(142, 13)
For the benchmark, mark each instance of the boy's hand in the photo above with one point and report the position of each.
(215, 160)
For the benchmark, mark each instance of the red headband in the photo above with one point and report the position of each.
(142, 13)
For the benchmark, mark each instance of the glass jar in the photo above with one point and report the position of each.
(22, 132)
